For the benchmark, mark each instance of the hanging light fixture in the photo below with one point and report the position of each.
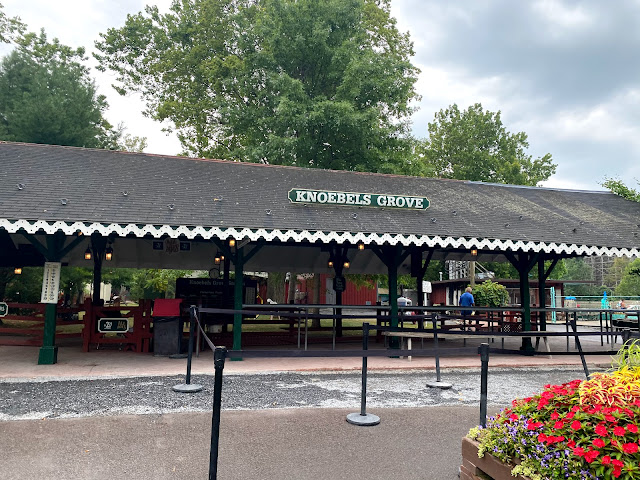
(330, 263)
(474, 252)
(217, 259)
(17, 270)
(360, 246)
(346, 264)
(87, 254)
(232, 242)
(108, 253)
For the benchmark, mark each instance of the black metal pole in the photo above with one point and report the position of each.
(365, 347)
(188, 387)
(577, 340)
(218, 363)
(438, 383)
(192, 326)
(483, 350)
(363, 418)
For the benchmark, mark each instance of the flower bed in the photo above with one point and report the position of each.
(577, 430)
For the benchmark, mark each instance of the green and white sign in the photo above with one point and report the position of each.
(327, 197)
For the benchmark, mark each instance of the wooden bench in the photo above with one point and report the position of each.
(422, 335)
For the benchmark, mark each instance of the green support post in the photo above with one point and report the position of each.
(393, 296)
(48, 354)
(237, 300)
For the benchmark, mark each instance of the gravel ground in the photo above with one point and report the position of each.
(153, 395)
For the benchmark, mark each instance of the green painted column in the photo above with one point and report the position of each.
(525, 295)
(393, 295)
(237, 299)
(48, 354)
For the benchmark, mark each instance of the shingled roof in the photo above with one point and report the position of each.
(50, 188)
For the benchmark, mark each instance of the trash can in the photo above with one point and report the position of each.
(167, 326)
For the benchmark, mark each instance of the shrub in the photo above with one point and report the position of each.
(490, 294)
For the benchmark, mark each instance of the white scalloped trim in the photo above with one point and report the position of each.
(157, 231)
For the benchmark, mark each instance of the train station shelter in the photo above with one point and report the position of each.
(157, 211)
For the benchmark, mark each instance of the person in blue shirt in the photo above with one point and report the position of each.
(466, 300)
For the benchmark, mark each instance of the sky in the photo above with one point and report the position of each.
(563, 71)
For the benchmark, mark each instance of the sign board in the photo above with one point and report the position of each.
(110, 325)
(339, 284)
(327, 197)
(50, 282)
(4, 309)
(426, 287)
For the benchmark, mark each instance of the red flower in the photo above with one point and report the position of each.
(542, 437)
(554, 415)
(617, 463)
(598, 443)
(632, 427)
(620, 431)
(571, 443)
(558, 424)
(601, 430)
(513, 416)
(630, 447)
(616, 472)
(547, 395)
(576, 425)
(610, 418)
(591, 455)
(570, 415)
(606, 460)
(579, 451)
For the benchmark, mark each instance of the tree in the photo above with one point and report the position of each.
(616, 186)
(9, 27)
(474, 145)
(47, 96)
(312, 83)
(630, 282)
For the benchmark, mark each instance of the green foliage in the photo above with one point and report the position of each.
(630, 282)
(490, 294)
(47, 96)
(9, 27)
(501, 269)
(74, 279)
(25, 288)
(312, 83)
(156, 283)
(474, 145)
(616, 186)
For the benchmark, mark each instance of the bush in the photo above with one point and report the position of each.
(490, 294)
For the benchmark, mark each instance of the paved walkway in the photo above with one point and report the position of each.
(283, 444)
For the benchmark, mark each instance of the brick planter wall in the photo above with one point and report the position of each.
(485, 468)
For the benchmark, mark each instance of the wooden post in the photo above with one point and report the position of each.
(237, 299)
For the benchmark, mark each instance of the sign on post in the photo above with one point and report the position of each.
(113, 325)
(51, 282)
(4, 309)
(339, 284)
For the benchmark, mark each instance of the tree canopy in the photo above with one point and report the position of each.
(312, 83)
(47, 96)
(474, 145)
(619, 188)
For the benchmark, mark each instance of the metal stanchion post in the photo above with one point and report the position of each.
(579, 346)
(219, 355)
(483, 350)
(187, 386)
(438, 383)
(363, 418)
